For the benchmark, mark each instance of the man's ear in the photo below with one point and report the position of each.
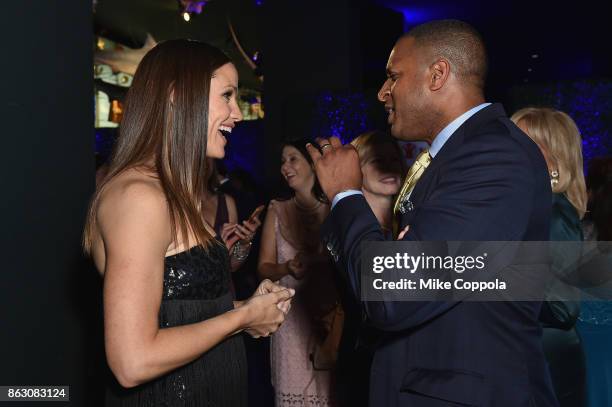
(439, 73)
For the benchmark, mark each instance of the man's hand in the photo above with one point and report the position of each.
(337, 166)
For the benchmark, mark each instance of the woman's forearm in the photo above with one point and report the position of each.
(172, 347)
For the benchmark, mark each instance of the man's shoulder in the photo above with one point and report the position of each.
(502, 134)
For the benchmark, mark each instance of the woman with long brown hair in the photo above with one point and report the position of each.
(169, 316)
(291, 253)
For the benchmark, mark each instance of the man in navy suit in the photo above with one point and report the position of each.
(486, 181)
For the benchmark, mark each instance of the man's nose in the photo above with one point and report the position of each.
(383, 93)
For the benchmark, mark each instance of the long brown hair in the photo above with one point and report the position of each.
(165, 121)
(300, 146)
(556, 133)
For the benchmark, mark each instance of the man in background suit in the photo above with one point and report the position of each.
(483, 180)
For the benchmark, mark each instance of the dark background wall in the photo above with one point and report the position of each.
(339, 46)
(303, 56)
(49, 314)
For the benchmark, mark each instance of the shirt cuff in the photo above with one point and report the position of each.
(344, 194)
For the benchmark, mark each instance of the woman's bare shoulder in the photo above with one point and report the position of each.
(132, 187)
(278, 203)
(132, 194)
(131, 208)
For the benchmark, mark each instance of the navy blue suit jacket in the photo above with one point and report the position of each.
(489, 182)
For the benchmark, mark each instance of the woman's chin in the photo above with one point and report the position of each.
(296, 185)
(292, 184)
(215, 154)
(387, 190)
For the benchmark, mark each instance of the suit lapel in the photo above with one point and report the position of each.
(426, 184)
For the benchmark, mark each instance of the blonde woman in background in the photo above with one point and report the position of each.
(559, 140)
(382, 167)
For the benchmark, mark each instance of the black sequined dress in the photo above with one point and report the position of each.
(196, 287)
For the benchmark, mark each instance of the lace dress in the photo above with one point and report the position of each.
(295, 381)
(196, 287)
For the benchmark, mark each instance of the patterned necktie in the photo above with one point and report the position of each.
(402, 204)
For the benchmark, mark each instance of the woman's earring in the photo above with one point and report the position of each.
(554, 178)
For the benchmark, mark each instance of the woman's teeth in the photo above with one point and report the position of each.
(225, 130)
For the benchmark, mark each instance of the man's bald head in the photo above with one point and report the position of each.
(456, 41)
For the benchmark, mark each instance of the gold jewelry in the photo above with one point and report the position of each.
(554, 178)
(304, 208)
(324, 146)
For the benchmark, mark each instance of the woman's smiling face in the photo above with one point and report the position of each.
(223, 110)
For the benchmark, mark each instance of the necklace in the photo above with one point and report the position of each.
(304, 208)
